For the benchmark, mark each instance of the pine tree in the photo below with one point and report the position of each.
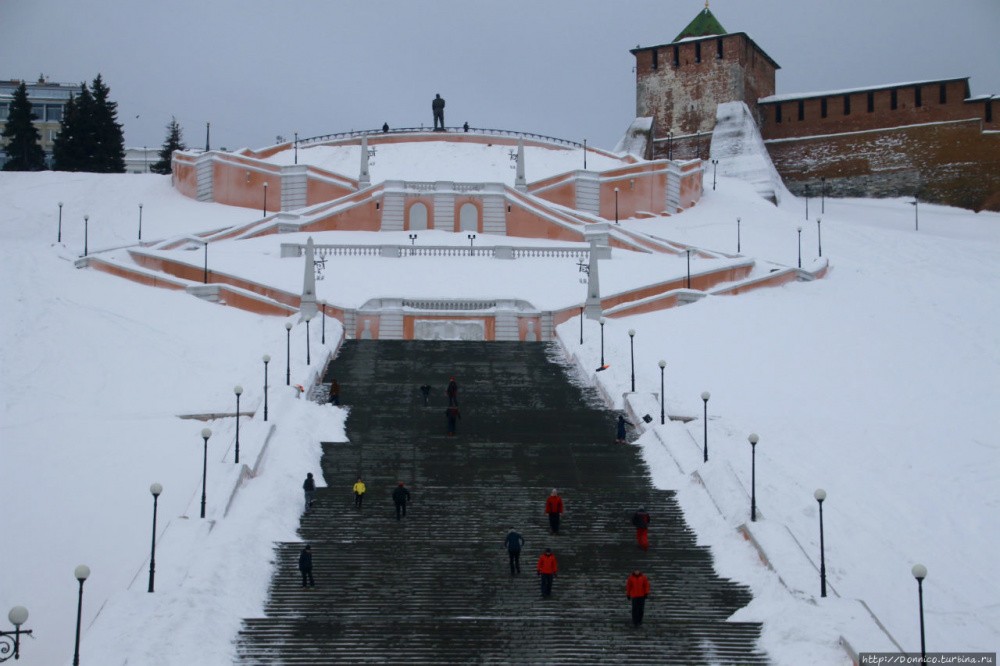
(24, 152)
(72, 149)
(173, 142)
(109, 142)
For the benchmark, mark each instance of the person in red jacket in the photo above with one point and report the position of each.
(547, 570)
(641, 521)
(554, 509)
(637, 589)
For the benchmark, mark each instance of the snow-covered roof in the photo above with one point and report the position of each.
(831, 93)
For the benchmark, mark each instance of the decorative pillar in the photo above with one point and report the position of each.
(520, 184)
(307, 308)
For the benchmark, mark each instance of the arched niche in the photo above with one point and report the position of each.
(417, 217)
(468, 217)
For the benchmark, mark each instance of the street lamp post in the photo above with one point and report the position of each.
(267, 359)
(155, 491)
(265, 198)
(204, 277)
(59, 231)
(296, 147)
(799, 231)
(322, 337)
(205, 434)
(705, 395)
(715, 166)
(472, 238)
(581, 324)
(308, 346)
(140, 222)
(616, 205)
(86, 224)
(807, 202)
(737, 235)
(288, 353)
(631, 354)
(820, 495)
(18, 615)
(753, 439)
(920, 572)
(822, 200)
(81, 573)
(688, 252)
(238, 390)
(602, 320)
(819, 236)
(916, 215)
(663, 413)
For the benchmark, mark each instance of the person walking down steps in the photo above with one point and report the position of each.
(306, 566)
(400, 497)
(620, 429)
(637, 589)
(309, 489)
(547, 569)
(359, 492)
(554, 509)
(334, 392)
(452, 415)
(452, 392)
(640, 519)
(514, 542)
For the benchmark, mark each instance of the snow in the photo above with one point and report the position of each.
(848, 91)
(875, 383)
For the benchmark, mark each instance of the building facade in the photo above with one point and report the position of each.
(47, 103)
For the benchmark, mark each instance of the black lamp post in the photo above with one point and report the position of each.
(288, 353)
(807, 202)
(753, 439)
(819, 236)
(820, 495)
(688, 253)
(663, 413)
(631, 354)
(584, 154)
(602, 340)
(920, 572)
(155, 491)
(86, 221)
(308, 357)
(916, 216)
(265, 198)
(472, 238)
(822, 200)
(18, 615)
(737, 235)
(799, 230)
(238, 390)
(715, 165)
(581, 324)
(296, 147)
(616, 205)
(59, 231)
(205, 434)
(140, 222)
(204, 277)
(413, 239)
(322, 337)
(81, 573)
(705, 395)
(267, 359)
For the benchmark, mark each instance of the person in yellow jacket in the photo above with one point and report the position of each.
(359, 493)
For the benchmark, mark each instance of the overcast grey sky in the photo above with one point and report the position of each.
(259, 68)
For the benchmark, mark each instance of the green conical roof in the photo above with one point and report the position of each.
(704, 24)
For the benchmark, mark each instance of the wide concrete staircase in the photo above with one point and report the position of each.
(435, 587)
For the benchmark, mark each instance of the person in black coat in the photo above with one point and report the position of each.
(306, 566)
(400, 497)
(309, 488)
(514, 542)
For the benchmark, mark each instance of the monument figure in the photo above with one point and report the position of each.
(437, 106)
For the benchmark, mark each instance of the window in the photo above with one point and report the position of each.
(777, 112)
(677, 56)
(871, 102)
(847, 105)
(697, 51)
(943, 94)
(53, 112)
(4, 111)
(656, 59)
(822, 108)
(917, 97)
(802, 110)
(718, 48)
(894, 100)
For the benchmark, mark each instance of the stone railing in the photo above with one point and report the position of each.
(396, 251)
(450, 305)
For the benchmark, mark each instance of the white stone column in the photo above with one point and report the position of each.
(520, 183)
(364, 178)
(308, 306)
(597, 235)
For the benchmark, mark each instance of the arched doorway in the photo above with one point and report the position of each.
(468, 217)
(417, 218)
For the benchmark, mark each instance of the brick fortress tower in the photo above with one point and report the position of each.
(928, 139)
